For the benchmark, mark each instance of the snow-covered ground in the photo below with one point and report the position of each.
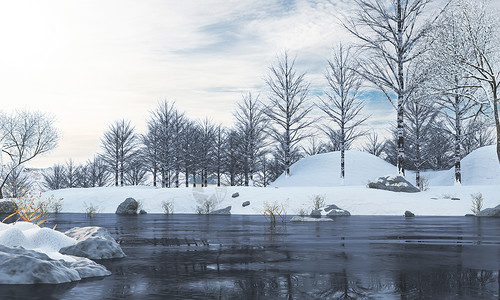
(318, 175)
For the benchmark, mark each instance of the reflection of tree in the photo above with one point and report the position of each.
(464, 283)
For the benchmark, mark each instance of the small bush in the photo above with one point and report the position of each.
(477, 202)
(90, 209)
(274, 211)
(207, 205)
(318, 201)
(168, 207)
(424, 183)
(32, 208)
(302, 212)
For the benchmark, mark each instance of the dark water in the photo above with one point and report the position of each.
(243, 257)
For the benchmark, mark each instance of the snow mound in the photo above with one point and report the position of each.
(31, 236)
(480, 167)
(324, 170)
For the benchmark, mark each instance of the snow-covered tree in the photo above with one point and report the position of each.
(251, 123)
(288, 108)
(341, 102)
(390, 32)
(119, 144)
(151, 142)
(136, 171)
(206, 149)
(24, 135)
(220, 139)
(72, 174)
(473, 26)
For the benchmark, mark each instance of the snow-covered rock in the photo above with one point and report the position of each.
(393, 184)
(222, 211)
(93, 243)
(489, 212)
(24, 266)
(335, 211)
(245, 204)
(128, 207)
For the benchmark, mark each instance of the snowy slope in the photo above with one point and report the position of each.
(480, 167)
(324, 170)
(317, 175)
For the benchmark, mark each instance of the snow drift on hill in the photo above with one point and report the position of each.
(480, 167)
(324, 170)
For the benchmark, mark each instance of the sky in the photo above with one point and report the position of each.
(90, 63)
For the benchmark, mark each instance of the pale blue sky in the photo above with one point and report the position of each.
(91, 62)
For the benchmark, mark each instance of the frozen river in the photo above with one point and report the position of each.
(243, 257)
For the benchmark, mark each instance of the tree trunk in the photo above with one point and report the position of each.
(187, 177)
(401, 149)
(194, 178)
(497, 121)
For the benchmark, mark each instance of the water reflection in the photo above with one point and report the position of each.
(197, 257)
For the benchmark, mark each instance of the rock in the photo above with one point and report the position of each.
(489, 212)
(93, 243)
(316, 213)
(470, 215)
(223, 211)
(142, 212)
(245, 204)
(409, 214)
(338, 213)
(127, 207)
(8, 207)
(394, 184)
(309, 219)
(330, 207)
(455, 199)
(235, 195)
(23, 266)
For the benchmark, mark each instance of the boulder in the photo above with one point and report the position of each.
(223, 211)
(245, 204)
(23, 266)
(338, 213)
(393, 184)
(316, 213)
(235, 195)
(330, 207)
(142, 212)
(8, 207)
(409, 214)
(489, 212)
(93, 243)
(127, 207)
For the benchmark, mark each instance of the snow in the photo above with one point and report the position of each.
(317, 175)
(31, 236)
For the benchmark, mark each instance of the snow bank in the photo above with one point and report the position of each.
(316, 175)
(31, 236)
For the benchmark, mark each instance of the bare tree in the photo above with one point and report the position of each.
(341, 102)
(97, 172)
(390, 32)
(220, 139)
(18, 184)
(206, 149)
(24, 135)
(251, 122)
(476, 30)
(288, 109)
(119, 143)
(55, 177)
(373, 145)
